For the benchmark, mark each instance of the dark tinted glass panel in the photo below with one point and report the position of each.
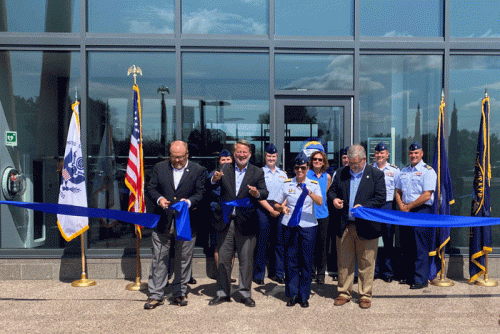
(225, 17)
(131, 16)
(313, 72)
(225, 98)
(396, 18)
(109, 128)
(38, 89)
(475, 18)
(469, 76)
(314, 17)
(40, 16)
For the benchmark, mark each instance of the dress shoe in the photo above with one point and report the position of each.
(258, 281)
(339, 301)
(335, 277)
(387, 279)
(180, 301)
(403, 281)
(192, 281)
(416, 286)
(233, 280)
(280, 280)
(219, 300)
(152, 303)
(304, 304)
(320, 281)
(248, 302)
(365, 303)
(292, 302)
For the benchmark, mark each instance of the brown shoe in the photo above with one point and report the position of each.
(152, 303)
(365, 303)
(339, 301)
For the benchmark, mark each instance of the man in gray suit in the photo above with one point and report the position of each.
(238, 231)
(173, 180)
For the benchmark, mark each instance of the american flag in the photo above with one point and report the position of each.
(134, 178)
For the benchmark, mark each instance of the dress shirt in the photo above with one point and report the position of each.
(355, 180)
(274, 181)
(391, 174)
(413, 181)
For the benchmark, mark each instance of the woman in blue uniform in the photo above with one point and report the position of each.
(299, 230)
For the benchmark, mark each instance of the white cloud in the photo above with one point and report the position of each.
(152, 20)
(476, 104)
(387, 102)
(489, 34)
(214, 21)
(394, 33)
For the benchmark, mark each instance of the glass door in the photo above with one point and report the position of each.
(301, 124)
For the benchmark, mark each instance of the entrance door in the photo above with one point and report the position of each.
(300, 121)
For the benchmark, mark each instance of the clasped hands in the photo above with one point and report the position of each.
(163, 203)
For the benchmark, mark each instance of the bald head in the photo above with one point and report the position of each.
(178, 154)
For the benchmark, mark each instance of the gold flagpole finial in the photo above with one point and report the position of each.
(486, 92)
(134, 71)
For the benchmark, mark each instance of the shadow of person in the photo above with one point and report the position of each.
(325, 290)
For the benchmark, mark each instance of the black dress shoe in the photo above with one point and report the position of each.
(292, 302)
(280, 280)
(258, 281)
(192, 281)
(335, 277)
(219, 300)
(416, 286)
(248, 302)
(304, 304)
(233, 280)
(387, 279)
(403, 281)
(320, 281)
(179, 301)
(152, 303)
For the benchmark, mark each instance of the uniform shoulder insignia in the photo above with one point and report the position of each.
(287, 180)
(394, 166)
(314, 181)
(428, 167)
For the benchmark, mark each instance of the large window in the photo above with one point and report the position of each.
(469, 76)
(474, 18)
(109, 128)
(35, 100)
(225, 98)
(401, 18)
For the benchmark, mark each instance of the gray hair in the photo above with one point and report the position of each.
(356, 150)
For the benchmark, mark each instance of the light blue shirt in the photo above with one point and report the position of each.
(391, 174)
(274, 181)
(239, 175)
(291, 192)
(413, 181)
(354, 185)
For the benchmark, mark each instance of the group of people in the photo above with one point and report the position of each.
(284, 224)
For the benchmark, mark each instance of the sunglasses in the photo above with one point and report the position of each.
(303, 168)
(318, 159)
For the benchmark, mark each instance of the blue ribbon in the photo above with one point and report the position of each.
(143, 219)
(421, 219)
(297, 211)
(182, 223)
(227, 207)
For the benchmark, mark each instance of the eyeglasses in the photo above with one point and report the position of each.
(356, 163)
(302, 168)
(318, 159)
(177, 157)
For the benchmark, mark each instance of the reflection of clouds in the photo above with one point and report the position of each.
(367, 84)
(97, 88)
(387, 65)
(146, 15)
(214, 21)
(394, 33)
(495, 85)
(489, 34)
(388, 101)
(476, 105)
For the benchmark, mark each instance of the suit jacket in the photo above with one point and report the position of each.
(371, 194)
(246, 220)
(191, 186)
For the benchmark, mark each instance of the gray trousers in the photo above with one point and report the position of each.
(228, 242)
(158, 274)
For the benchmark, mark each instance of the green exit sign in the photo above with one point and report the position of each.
(11, 138)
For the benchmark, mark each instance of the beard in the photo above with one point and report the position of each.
(242, 162)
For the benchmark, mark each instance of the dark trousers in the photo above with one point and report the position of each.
(321, 248)
(299, 257)
(267, 241)
(385, 255)
(417, 243)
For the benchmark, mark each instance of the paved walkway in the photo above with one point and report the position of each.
(57, 307)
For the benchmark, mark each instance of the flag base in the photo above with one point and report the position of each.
(83, 282)
(445, 282)
(137, 286)
(486, 282)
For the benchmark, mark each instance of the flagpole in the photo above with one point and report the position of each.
(83, 281)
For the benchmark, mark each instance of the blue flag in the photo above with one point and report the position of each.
(443, 194)
(480, 237)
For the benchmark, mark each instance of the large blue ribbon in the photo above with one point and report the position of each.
(421, 219)
(227, 207)
(297, 211)
(182, 223)
(142, 219)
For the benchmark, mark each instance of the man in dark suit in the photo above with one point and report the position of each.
(355, 185)
(238, 231)
(173, 180)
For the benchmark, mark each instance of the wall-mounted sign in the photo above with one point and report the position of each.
(11, 138)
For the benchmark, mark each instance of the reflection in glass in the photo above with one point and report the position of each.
(225, 17)
(314, 18)
(40, 16)
(35, 100)
(225, 98)
(109, 128)
(469, 75)
(131, 16)
(314, 72)
(396, 18)
(474, 18)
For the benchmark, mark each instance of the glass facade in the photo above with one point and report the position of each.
(217, 71)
